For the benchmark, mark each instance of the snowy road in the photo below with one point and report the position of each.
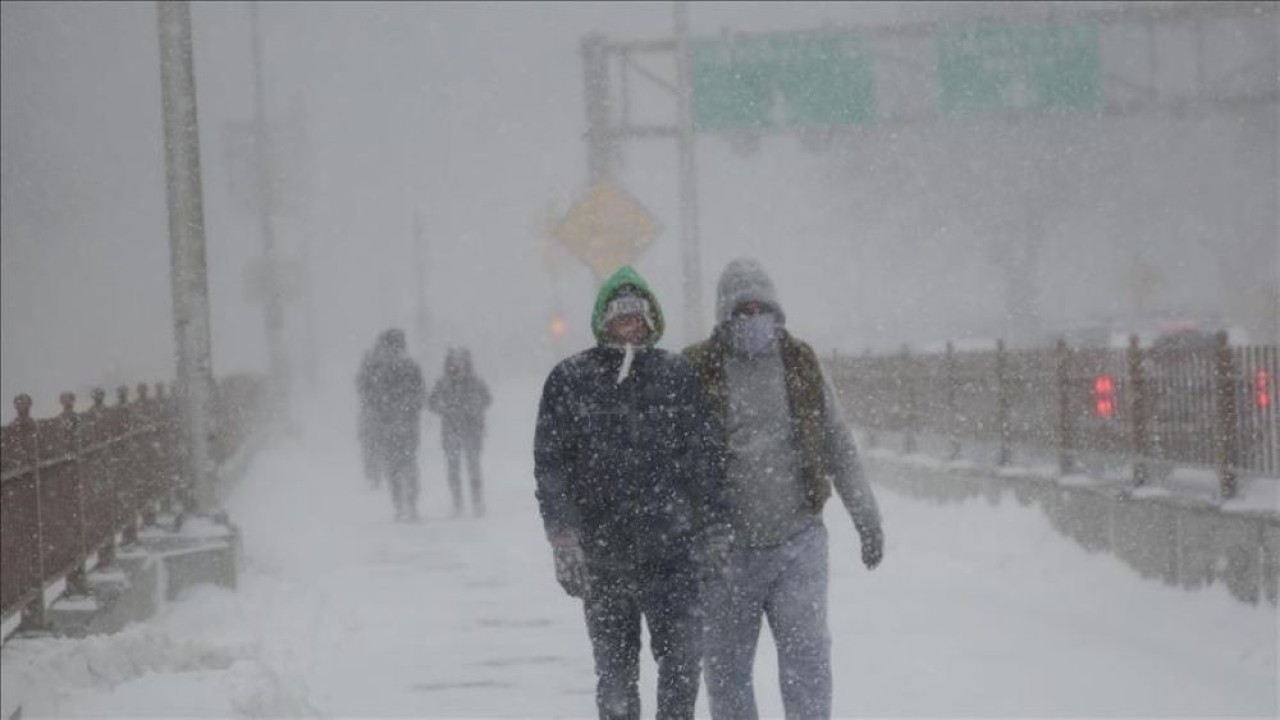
(976, 611)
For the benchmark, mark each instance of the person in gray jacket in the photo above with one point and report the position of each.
(787, 446)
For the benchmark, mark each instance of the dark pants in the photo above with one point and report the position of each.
(457, 447)
(666, 597)
(397, 451)
(369, 455)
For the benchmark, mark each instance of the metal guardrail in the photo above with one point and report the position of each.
(75, 486)
(1211, 407)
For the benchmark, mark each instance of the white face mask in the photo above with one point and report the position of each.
(753, 334)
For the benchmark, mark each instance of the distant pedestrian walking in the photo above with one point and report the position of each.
(392, 393)
(373, 473)
(460, 398)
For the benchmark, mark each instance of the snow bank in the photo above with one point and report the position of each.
(196, 660)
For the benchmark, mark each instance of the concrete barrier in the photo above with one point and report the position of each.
(146, 576)
(1175, 542)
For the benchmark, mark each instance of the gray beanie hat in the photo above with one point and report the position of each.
(744, 280)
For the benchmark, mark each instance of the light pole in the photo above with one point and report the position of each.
(691, 253)
(272, 303)
(421, 314)
(188, 275)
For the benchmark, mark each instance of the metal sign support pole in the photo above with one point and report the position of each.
(188, 273)
(691, 254)
(272, 304)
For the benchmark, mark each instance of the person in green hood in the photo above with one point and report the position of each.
(629, 463)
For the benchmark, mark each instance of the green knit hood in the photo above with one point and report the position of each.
(626, 276)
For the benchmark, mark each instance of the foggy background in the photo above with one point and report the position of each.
(472, 116)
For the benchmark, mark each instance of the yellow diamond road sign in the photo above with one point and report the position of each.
(606, 228)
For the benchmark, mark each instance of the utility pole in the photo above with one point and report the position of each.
(600, 140)
(421, 315)
(311, 360)
(603, 138)
(272, 303)
(188, 274)
(298, 151)
(691, 253)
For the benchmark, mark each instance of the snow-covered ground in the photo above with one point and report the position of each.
(977, 611)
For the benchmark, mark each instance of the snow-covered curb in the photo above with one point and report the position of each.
(1177, 539)
(1257, 497)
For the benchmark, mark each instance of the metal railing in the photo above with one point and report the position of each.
(1210, 407)
(75, 486)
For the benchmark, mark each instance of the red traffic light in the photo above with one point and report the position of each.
(1104, 396)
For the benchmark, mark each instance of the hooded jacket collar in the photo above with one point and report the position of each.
(744, 280)
(623, 278)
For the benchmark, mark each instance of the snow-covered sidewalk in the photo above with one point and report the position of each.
(978, 610)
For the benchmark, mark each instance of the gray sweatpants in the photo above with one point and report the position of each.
(787, 584)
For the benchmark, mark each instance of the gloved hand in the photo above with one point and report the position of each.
(713, 552)
(571, 565)
(872, 547)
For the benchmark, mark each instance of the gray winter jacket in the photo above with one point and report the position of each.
(787, 439)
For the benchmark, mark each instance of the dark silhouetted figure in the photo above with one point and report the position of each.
(392, 394)
(460, 399)
(368, 449)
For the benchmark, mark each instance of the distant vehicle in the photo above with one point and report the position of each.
(1115, 334)
(1096, 337)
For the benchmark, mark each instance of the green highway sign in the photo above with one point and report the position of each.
(781, 80)
(1000, 67)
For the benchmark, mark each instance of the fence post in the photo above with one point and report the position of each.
(1226, 426)
(33, 613)
(1066, 437)
(107, 554)
(148, 453)
(126, 477)
(906, 371)
(952, 388)
(1139, 410)
(1002, 404)
(164, 460)
(77, 581)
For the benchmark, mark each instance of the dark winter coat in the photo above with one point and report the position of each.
(634, 467)
(392, 393)
(460, 400)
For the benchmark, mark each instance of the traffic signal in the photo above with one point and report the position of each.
(1104, 396)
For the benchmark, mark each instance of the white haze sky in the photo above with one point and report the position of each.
(472, 115)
